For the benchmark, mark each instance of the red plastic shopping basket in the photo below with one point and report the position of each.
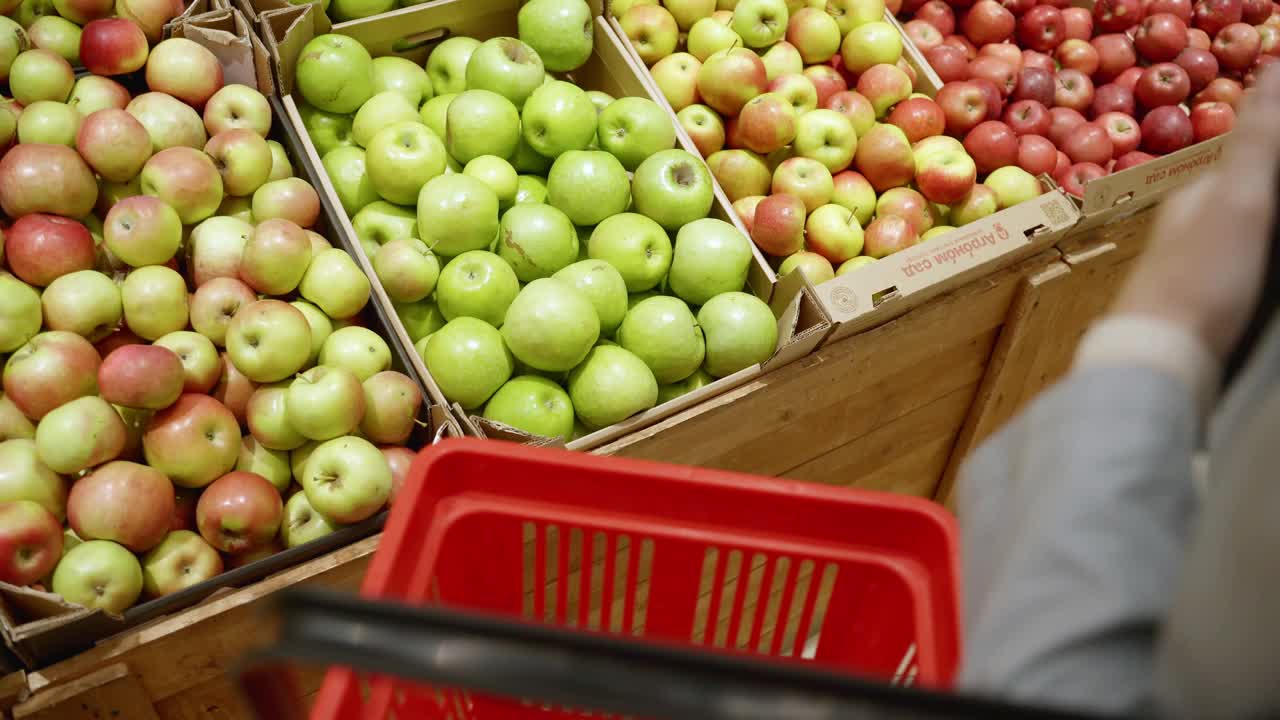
(856, 582)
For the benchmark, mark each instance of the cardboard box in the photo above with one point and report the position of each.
(40, 628)
(411, 33)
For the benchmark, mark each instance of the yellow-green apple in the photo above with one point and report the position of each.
(797, 90)
(400, 459)
(936, 231)
(852, 264)
(347, 479)
(633, 129)
(357, 349)
(766, 123)
(99, 574)
(814, 33)
(481, 122)
(30, 542)
(327, 130)
(457, 213)
(124, 502)
(663, 333)
(760, 23)
(40, 75)
(884, 86)
(194, 441)
(187, 180)
(600, 99)
(826, 136)
(550, 325)
(710, 257)
(217, 246)
(186, 70)
(20, 313)
(859, 111)
(383, 109)
(335, 284)
(704, 127)
(81, 12)
(50, 370)
(586, 185)
(853, 13)
(42, 248)
(806, 179)
(92, 93)
(533, 404)
(741, 173)
(688, 12)
(325, 402)
(113, 46)
(729, 78)
(618, 8)
(399, 75)
(468, 360)
(884, 157)
(778, 224)
(673, 188)
(142, 230)
(238, 512)
(745, 209)
(870, 44)
(944, 172)
(652, 31)
(477, 284)
(604, 286)
(151, 15)
(1013, 185)
(290, 198)
(269, 340)
(908, 205)
(56, 33)
(978, 203)
(281, 166)
(888, 234)
(84, 302)
(272, 465)
(611, 385)
(391, 401)
(79, 435)
(558, 117)
(447, 64)
(506, 66)
(182, 559)
(266, 415)
(24, 477)
(147, 377)
(335, 73)
(707, 37)
(199, 359)
(740, 331)
(348, 173)
(233, 388)
(238, 107)
(812, 265)
(318, 243)
(536, 241)
(695, 381)
(302, 523)
(48, 122)
(276, 257)
(169, 122)
(381, 222)
(826, 81)
(242, 158)
(833, 231)
(154, 301)
(407, 269)
(560, 31)
(782, 59)
(636, 246)
(918, 118)
(46, 179)
(498, 174)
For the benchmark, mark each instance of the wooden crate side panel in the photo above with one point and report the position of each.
(112, 692)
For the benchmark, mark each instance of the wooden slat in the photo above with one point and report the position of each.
(217, 698)
(111, 692)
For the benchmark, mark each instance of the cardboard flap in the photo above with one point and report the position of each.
(1152, 179)
(285, 32)
(26, 612)
(198, 7)
(494, 430)
(226, 33)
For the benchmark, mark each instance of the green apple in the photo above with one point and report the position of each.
(740, 331)
(325, 402)
(481, 122)
(79, 435)
(638, 247)
(869, 44)
(434, 112)
(709, 36)
(357, 349)
(533, 404)
(600, 99)
(262, 460)
(588, 186)
(760, 23)
(407, 269)
(349, 175)
(153, 300)
(269, 340)
(302, 523)
(335, 73)
(710, 257)
(182, 559)
(267, 416)
(403, 76)
(347, 479)
(20, 314)
(382, 110)
(344, 10)
(420, 318)
(611, 385)
(84, 302)
(99, 574)
(281, 167)
(529, 161)
(49, 123)
(498, 174)
(22, 475)
(561, 31)
(536, 241)
(700, 378)
(603, 285)
(335, 284)
(673, 188)
(381, 222)
(852, 264)
(402, 158)
(633, 129)
(663, 333)
(530, 189)
(56, 33)
(1013, 185)
(457, 213)
(477, 284)
(558, 117)
(447, 65)
(551, 326)
(468, 360)
(506, 66)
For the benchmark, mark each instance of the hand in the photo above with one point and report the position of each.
(1204, 265)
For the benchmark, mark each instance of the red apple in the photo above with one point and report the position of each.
(1028, 117)
(766, 123)
(42, 248)
(1221, 90)
(30, 542)
(887, 235)
(1115, 55)
(124, 502)
(923, 34)
(1038, 60)
(238, 512)
(1112, 98)
(1212, 16)
(992, 144)
(911, 205)
(1166, 129)
(1074, 179)
(778, 226)
(1089, 143)
(945, 174)
(995, 100)
(885, 158)
(113, 46)
(998, 70)
(1078, 22)
(1130, 159)
(949, 62)
(1180, 8)
(1201, 67)
(1073, 89)
(855, 107)
(938, 14)
(1211, 119)
(1042, 28)
(147, 377)
(1116, 15)
(1162, 84)
(963, 104)
(1129, 78)
(1123, 131)
(919, 118)
(1077, 54)
(1036, 154)
(1018, 7)
(1061, 166)
(37, 178)
(1161, 37)
(1236, 46)
(826, 81)
(988, 22)
(962, 42)
(1006, 51)
(1035, 84)
(1198, 38)
(1255, 12)
(1061, 122)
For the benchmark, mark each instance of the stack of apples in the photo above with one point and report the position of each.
(527, 229)
(59, 26)
(1083, 93)
(188, 384)
(807, 114)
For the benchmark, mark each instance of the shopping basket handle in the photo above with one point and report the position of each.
(601, 673)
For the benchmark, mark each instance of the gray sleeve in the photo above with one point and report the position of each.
(1074, 518)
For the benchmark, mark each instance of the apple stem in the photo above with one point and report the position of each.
(419, 423)
(853, 216)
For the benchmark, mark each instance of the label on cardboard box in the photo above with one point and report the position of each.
(1153, 179)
